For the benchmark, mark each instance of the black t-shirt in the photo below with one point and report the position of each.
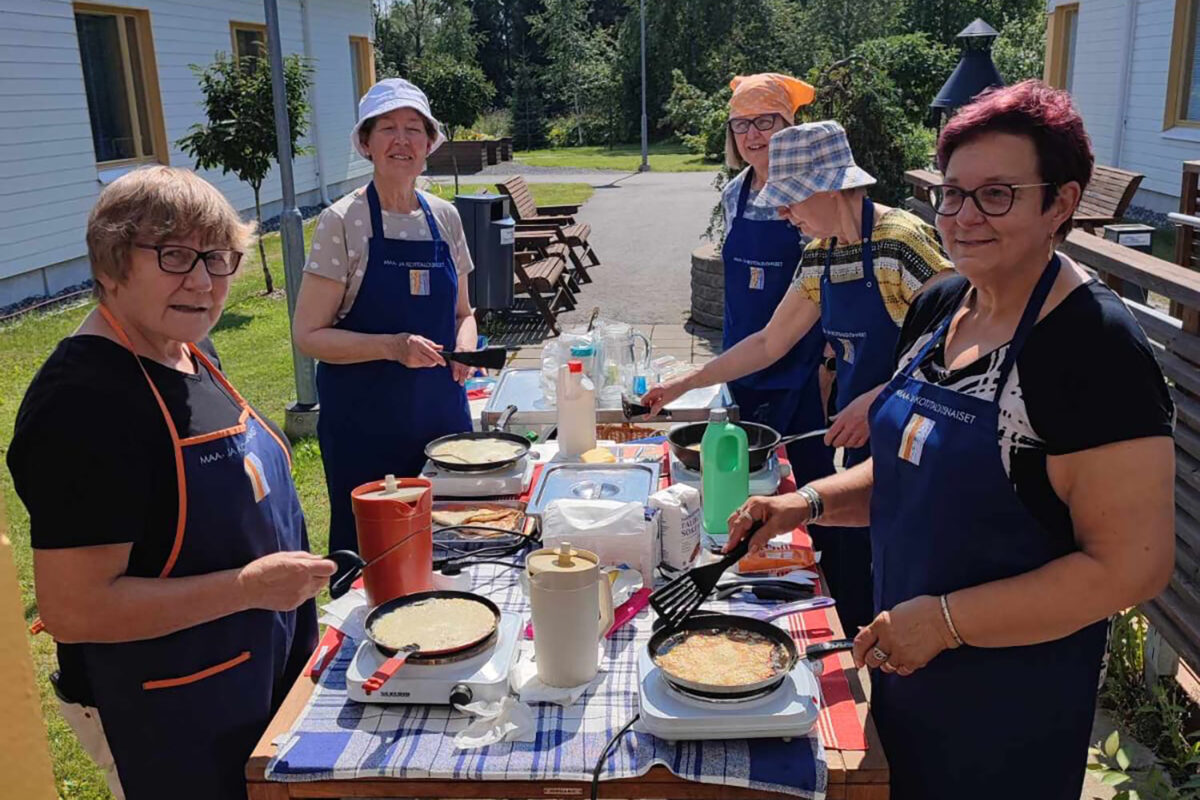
(91, 456)
(1085, 378)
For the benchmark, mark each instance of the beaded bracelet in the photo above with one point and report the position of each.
(950, 622)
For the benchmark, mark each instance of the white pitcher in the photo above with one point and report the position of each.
(572, 610)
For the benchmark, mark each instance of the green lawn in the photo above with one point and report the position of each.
(252, 339)
(664, 157)
(546, 194)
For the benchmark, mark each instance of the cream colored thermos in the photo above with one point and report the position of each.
(572, 610)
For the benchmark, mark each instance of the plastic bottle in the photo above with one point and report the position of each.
(576, 410)
(724, 471)
(586, 353)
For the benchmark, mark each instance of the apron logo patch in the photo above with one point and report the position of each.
(758, 278)
(257, 475)
(912, 442)
(847, 350)
(844, 273)
(418, 282)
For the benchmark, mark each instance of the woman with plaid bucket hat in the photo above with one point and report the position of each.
(856, 279)
(384, 292)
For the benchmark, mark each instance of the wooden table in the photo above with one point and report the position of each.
(853, 775)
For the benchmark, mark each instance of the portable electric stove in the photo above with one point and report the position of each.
(481, 675)
(763, 481)
(786, 710)
(509, 481)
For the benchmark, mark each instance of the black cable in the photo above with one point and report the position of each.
(460, 565)
(604, 755)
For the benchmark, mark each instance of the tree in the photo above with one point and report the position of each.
(239, 136)
(698, 119)
(1020, 50)
(917, 65)
(943, 19)
(579, 59)
(458, 93)
(528, 112)
(835, 27)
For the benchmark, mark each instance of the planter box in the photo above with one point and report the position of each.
(471, 156)
(493, 151)
(506, 148)
(708, 287)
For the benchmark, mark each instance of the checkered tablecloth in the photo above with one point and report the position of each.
(335, 738)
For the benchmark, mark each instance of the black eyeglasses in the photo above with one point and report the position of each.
(764, 122)
(992, 199)
(179, 259)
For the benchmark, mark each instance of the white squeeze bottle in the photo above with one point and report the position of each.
(576, 410)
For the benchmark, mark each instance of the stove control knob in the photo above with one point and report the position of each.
(460, 695)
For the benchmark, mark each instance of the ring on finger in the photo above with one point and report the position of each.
(880, 655)
(744, 514)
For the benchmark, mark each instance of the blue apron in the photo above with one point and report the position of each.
(377, 416)
(945, 516)
(182, 712)
(760, 261)
(864, 336)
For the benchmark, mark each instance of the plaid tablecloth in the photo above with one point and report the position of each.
(335, 738)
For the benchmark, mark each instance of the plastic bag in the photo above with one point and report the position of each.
(619, 533)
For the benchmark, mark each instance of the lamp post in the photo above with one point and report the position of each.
(301, 416)
(645, 166)
(974, 72)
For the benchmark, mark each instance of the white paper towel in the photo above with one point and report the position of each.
(525, 682)
(503, 720)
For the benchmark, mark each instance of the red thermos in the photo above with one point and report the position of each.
(386, 512)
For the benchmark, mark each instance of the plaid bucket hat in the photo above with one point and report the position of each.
(809, 158)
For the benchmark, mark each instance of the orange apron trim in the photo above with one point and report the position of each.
(220, 376)
(224, 433)
(180, 478)
(168, 683)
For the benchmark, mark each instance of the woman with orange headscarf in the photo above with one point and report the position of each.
(761, 252)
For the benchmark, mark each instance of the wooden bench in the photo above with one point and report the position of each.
(545, 242)
(559, 219)
(544, 282)
(1104, 202)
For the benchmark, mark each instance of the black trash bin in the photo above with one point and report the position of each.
(490, 230)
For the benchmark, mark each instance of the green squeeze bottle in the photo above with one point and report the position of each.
(724, 471)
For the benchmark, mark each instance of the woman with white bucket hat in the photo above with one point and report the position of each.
(856, 279)
(384, 292)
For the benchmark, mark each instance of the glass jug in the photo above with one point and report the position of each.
(621, 363)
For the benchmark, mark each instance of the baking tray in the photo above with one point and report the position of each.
(522, 388)
(464, 540)
(629, 482)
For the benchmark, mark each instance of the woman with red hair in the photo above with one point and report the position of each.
(1020, 486)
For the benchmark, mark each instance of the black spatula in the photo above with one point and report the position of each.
(488, 357)
(676, 601)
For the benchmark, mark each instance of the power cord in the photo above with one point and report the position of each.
(604, 755)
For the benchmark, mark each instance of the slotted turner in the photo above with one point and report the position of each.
(676, 601)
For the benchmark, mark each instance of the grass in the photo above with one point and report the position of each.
(664, 157)
(253, 341)
(545, 194)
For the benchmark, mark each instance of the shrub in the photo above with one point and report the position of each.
(495, 124)
(916, 64)
(698, 119)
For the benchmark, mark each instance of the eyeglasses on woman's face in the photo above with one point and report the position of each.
(179, 259)
(992, 199)
(763, 122)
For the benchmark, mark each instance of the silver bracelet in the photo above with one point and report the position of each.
(816, 507)
(950, 622)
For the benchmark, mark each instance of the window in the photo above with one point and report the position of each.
(362, 65)
(1183, 80)
(121, 81)
(249, 42)
(1061, 29)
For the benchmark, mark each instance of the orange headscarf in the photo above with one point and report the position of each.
(768, 93)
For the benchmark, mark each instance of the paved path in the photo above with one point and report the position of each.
(644, 228)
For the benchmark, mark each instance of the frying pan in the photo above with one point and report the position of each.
(762, 440)
(398, 656)
(458, 466)
(663, 639)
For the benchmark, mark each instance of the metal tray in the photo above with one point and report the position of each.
(571, 479)
(522, 388)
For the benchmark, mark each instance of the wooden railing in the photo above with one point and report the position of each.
(1173, 328)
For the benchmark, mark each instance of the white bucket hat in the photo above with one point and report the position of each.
(388, 95)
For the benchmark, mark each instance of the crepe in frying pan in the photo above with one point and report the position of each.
(476, 451)
(439, 623)
(721, 657)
